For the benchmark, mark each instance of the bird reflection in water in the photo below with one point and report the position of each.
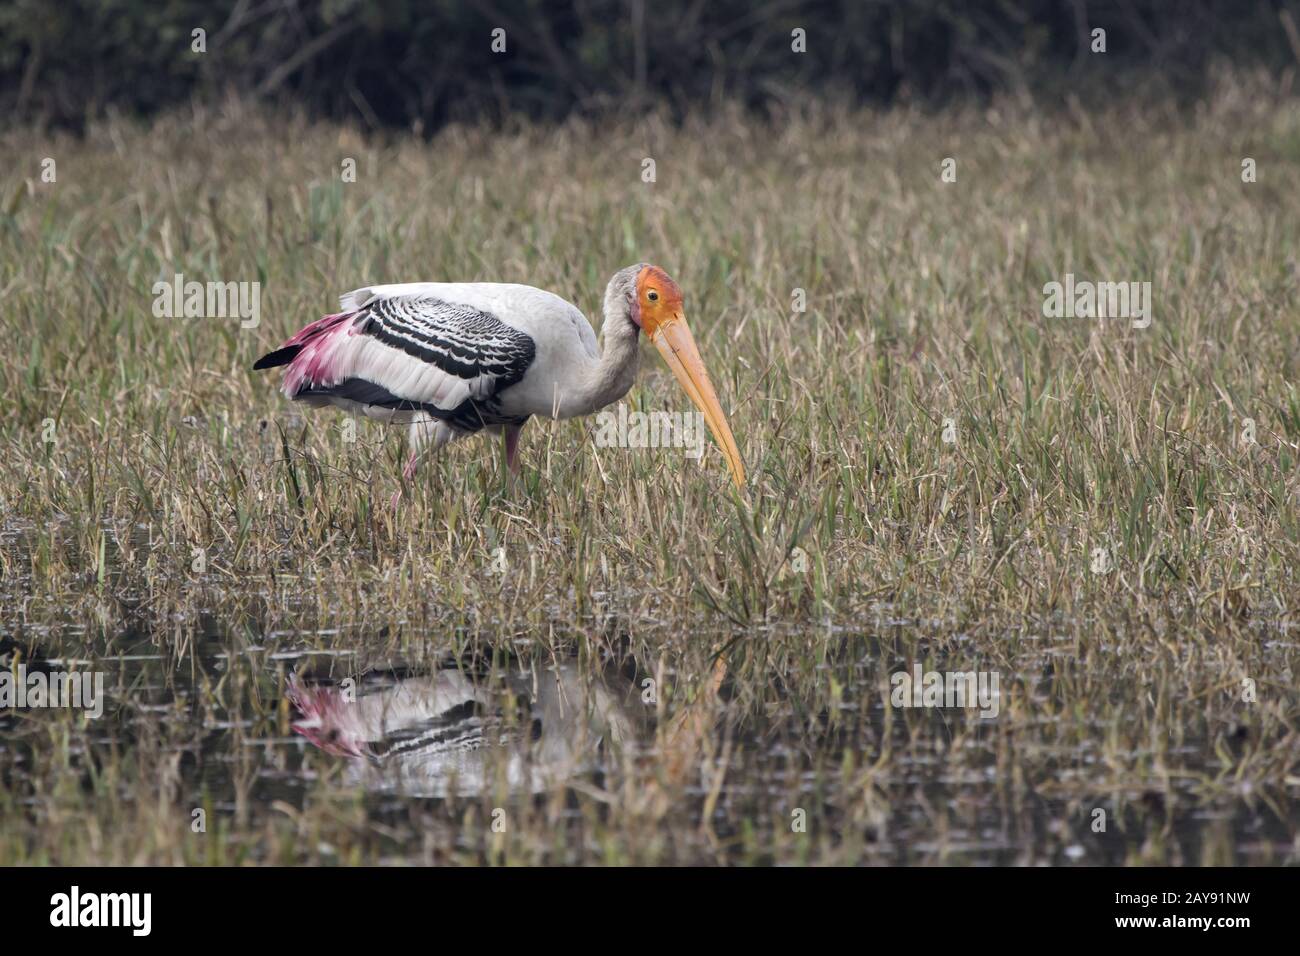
(447, 734)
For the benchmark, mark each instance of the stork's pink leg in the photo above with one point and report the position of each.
(408, 474)
(512, 447)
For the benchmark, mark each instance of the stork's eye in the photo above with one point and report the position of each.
(652, 295)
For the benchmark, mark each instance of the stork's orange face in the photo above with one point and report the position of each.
(658, 311)
(658, 300)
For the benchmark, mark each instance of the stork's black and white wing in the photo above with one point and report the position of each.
(397, 352)
(475, 351)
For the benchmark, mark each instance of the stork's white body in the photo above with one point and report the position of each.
(567, 351)
(453, 358)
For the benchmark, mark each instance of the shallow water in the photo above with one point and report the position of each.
(252, 729)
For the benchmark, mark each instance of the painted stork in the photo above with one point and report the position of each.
(453, 358)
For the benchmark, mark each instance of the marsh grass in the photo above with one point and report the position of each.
(1120, 690)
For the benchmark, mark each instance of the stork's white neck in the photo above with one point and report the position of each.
(620, 356)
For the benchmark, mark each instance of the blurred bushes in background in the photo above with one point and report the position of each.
(409, 63)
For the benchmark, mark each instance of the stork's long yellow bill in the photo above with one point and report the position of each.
(675, 343)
